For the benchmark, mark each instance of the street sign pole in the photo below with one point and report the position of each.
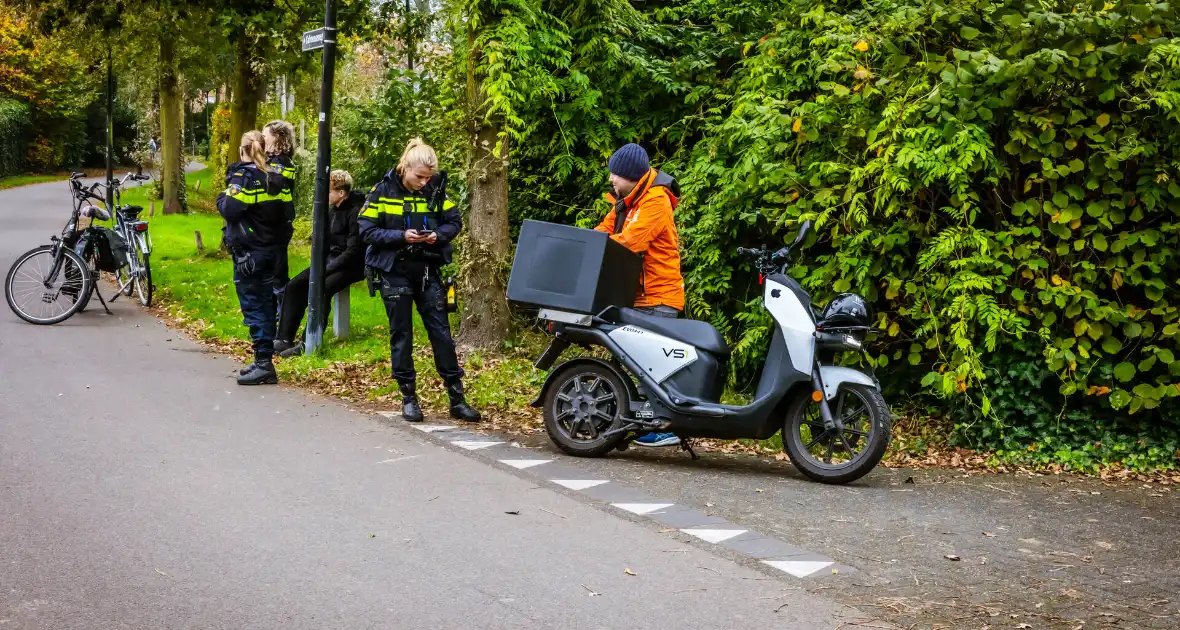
(323, 165)
(110, 134)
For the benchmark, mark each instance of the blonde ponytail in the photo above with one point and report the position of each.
(417, 153)
(253, 148)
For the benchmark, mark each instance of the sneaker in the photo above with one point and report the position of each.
(658, 439)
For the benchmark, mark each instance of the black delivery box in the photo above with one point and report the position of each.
(572, 269)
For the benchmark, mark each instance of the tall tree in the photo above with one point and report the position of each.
(512, 50)
(171, 111)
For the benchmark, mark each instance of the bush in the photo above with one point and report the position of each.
(14, 126)
(985, 173)
(223, 151)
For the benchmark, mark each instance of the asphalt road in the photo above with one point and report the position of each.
(141, 488)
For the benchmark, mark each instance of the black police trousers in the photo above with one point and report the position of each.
(254, 280)
(419, 284)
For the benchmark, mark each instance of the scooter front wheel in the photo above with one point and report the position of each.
(838, 457)
(585, 401)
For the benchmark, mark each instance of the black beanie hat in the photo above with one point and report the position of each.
(630, 162)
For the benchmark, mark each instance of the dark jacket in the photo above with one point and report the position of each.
(284, 173)
(346, 252)
(252, 208)
(390, 210)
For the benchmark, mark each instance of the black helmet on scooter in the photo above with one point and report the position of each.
(846, 309)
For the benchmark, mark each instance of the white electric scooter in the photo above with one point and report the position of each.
(667, 375)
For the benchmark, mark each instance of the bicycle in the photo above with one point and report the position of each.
(50, 283)
(137, 272)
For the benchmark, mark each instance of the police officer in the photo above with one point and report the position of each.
(256, 231)
(408, 224)
(280, 152)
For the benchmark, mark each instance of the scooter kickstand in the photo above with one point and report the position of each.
(686, 445)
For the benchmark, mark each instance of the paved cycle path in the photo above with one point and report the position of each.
(140, 487)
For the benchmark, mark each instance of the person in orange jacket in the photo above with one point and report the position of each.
(641, 219)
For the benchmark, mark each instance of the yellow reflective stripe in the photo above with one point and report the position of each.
(374, 209)
(448, 204)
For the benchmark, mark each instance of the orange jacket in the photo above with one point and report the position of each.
(650, 231)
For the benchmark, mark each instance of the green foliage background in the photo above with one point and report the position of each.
(14, 126)
(998, 178)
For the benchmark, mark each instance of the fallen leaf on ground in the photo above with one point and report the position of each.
(1104, 545)
(989, 534)
(512, 512)
(952, 557)
(628, 572)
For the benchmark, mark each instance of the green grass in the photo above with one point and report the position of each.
(198, 291)
(24, 180)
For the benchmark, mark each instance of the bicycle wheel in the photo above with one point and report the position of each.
(46, 285)
(143, 280)
(91, 259)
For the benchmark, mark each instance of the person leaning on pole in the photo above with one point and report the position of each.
(345, 264)
(408, 224)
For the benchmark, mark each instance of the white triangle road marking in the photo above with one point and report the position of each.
(714, 535)
(642, 508)
(524, 463)
(579, 484)
(390, 414)
(433, 428)
(798, 568)
(473, 445)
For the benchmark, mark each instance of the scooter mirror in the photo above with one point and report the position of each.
(803, 230)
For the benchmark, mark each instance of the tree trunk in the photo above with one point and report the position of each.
(172, 152)
(247, 93)
(485, 321)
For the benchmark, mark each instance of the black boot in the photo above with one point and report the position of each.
(292, 351)
(282, 345)
(262, 372)
(411, 410)
(246, 370)
(460, 410)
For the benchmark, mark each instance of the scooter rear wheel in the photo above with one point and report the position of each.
(585, 401)
(845, 457)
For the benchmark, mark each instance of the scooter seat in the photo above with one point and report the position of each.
(699, 334)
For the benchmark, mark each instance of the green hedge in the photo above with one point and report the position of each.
(14, 125)
(998, 178)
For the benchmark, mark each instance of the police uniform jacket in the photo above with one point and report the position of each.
(390, 210)
(252, 207)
